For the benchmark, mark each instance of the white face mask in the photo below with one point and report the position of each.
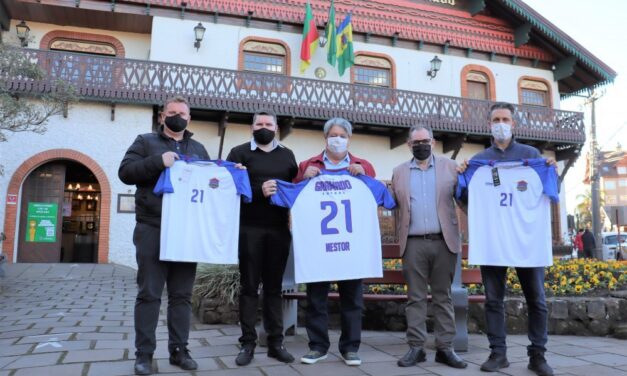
(501, 131)
(337, 144)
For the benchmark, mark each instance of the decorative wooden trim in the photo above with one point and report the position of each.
(538, 79)
(47, 40)
(478, 68)
(28, 166)
(288, 53)
(380, 56)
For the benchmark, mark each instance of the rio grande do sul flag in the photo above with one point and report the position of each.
(310, 39)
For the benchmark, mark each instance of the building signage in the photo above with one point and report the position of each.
(11, 199)
(41, 222)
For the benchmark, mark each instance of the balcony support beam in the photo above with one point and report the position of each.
(5, 21)
(454, 144)
(285, 128)
(397, 138)
(222, 124)
(569, 155)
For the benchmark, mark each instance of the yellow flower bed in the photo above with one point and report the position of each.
(565, 277)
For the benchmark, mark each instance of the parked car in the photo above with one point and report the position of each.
(611, 246)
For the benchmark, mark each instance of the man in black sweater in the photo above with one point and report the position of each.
(264, 240)
(142, 164)
(588, 244)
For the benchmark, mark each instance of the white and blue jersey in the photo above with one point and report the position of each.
(200, 211)
(335, 225)
(509, 213)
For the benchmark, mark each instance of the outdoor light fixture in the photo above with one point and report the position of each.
(199, 31)
(436, 63)
(322, 38)
(22, 33)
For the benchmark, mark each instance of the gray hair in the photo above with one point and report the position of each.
(417, 127)
(501, 106)
(340, 122)
(265, 112)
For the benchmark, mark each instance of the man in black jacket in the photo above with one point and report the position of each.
(143, 162)
(588, 244)
(264, 240)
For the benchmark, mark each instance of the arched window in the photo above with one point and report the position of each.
(87, 64)
(260, 55)
(534, 92)
(376, 72)
(478, 83)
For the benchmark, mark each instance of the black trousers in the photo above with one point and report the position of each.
(152, 276)
(263, 253)
(351, 306)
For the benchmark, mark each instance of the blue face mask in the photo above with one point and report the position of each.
(501, 131)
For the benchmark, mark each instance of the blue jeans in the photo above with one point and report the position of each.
(532, 283)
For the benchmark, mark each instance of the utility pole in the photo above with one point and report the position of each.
(594, 177)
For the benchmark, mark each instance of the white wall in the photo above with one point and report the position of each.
(89, 130)
(136, 46)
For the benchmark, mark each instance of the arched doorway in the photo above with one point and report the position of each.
(15, 201)
(59, 214)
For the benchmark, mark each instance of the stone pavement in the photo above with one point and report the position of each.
(63, 319)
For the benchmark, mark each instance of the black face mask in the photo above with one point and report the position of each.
(421, 152)
(263, 136)
(176, 123)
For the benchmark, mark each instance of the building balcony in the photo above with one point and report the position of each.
(380, 110)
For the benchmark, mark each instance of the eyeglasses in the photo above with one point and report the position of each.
(426, 141)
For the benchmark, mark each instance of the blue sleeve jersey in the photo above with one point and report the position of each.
(335, 225)
(200, 211)
(509, 213)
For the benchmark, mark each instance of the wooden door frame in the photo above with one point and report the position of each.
(11, 216)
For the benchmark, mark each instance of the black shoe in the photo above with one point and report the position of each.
(495, 362)
(449, 358)
(245, 356)
(413, 356)
(143, 364)
(280, 354)
(538, 364)
(180, 357)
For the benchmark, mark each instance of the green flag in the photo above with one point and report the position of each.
(331, 36)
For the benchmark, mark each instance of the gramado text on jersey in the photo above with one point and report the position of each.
(333, 185)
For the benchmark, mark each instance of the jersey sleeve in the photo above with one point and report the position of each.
(380, 192)
(463, 179)
(164, 185)
(242, 182)
(548, 176)
(287, 193)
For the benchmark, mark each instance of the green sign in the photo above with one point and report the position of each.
(41, 222)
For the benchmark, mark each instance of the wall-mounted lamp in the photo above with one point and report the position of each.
(69, 187)
(436, 63)
(322, 38)
(199, 32)
(22, 33)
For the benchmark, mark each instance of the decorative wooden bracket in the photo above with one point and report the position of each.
(222, 124)
(521, 34)
(397, 138)
(476, 6)
(285, 128)
(454, 144)
(564, 68)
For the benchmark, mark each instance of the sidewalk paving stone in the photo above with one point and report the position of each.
(78, 320)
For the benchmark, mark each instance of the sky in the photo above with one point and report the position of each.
(599, 26)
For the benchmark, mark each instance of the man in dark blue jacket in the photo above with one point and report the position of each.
(141, 166)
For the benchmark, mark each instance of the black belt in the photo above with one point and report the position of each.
(437, 236)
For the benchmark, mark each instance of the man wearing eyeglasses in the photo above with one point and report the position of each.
(429, 237)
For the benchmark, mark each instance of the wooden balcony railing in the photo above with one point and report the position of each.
(138, 81)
